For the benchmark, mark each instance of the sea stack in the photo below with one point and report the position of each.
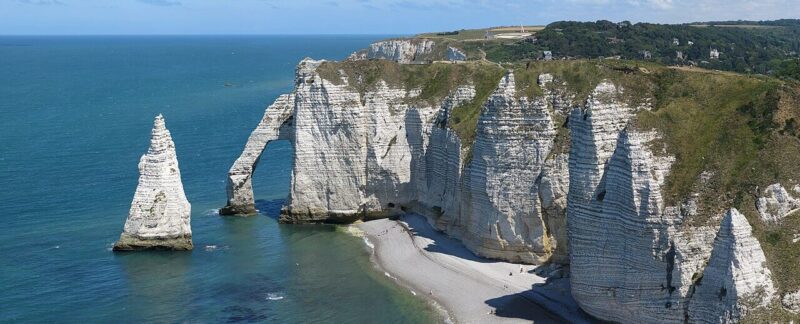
(160, 215)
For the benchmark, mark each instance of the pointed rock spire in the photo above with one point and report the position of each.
(160, 215)
(736, 278)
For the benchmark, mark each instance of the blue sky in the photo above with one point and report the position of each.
(353, 16)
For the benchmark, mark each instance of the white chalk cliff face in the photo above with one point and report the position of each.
(160, 215)
(590, 196)
(632, 259)
(514, 137)
(403, 51)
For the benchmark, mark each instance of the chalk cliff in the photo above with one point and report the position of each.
(514, 137)
(529, 164)
(399, 50)
(160, 215)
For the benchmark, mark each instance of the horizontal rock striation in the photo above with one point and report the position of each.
(437, 165)
(632, 259)
(514, 137)
(160, 215)
(345, 144)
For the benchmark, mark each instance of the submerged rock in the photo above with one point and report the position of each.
(160, 215)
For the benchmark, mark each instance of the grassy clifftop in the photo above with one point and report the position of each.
(436, 81)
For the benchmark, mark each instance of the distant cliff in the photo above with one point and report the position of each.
(648, 181)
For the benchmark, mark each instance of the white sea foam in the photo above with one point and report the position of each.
(368, 243)
(211, 247)
(274, 296)
(212, 212)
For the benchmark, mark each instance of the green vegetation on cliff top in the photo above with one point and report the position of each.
(761, 47)
(436, 81)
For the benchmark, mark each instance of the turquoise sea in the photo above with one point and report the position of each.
(75, 116)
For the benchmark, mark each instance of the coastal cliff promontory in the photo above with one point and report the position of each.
(647, 181)
(160, 215)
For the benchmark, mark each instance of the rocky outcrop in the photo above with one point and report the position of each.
(403, 51)
(776, 203)
(455, 54)
(276, 124)
(736, 279)
(160, 215)
(791, 302)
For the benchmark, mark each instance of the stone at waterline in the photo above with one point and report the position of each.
(160, 214)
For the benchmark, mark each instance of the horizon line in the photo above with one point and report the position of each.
(210, 34)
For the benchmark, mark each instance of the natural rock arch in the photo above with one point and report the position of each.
(277, 124)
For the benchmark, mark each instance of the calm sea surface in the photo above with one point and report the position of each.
(75, 116)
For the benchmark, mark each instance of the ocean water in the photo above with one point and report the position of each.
(75, 116)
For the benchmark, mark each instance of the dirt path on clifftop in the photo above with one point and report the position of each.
(471, 289)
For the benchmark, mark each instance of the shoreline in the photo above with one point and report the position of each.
(465, 288)
(369, 238)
